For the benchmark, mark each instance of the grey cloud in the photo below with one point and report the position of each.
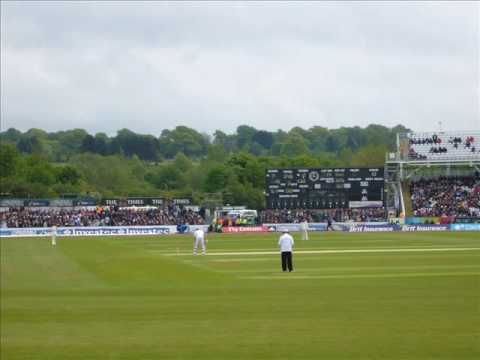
(149, 66)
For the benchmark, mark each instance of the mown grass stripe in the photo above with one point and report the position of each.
(344, 251)
(294, 276)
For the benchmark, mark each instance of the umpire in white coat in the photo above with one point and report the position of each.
(286, 248)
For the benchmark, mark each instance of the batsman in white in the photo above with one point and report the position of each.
(54, 235)
(199, 236)
(305, 230)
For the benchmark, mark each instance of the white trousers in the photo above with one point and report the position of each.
(199, 241)
(304, 235)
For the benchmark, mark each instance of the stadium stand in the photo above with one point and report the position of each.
(443, 146)
(446, 196)
(425, 176)
(99, 216)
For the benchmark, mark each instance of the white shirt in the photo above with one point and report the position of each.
(199, 234)
(286, 243)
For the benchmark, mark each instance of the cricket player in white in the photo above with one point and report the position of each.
(305, 230)
(286, 248)
(54, 235)
(199, 236)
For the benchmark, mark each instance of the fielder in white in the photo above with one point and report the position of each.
(199, 236)
(54, 235)
(305, 230)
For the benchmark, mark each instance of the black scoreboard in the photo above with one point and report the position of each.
(324, 188)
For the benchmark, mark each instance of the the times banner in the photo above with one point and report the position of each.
(134, 201)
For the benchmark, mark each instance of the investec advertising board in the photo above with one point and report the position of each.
(170, 229)
(90, 231)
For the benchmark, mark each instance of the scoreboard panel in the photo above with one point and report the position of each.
(324, 188)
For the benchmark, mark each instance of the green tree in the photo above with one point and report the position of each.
(68, 175)
(38, 170)
(144, 146)
(111, 175)
(377, 135)
(167, 177)
(304, 161)
(183, 139)
(11, 135)
(217, 178)
(9, 157)
(101, 144)
(245, 135)
(370, 155)
(88, 144)
(70, 141)
(317, 137)
(294, 145)
(263, 138)
(30, 145)
(228, 142)
(217, 153)
(182, 162)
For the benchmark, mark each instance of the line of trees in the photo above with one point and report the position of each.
(180, 162)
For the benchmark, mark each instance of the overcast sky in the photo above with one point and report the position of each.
(148, 66)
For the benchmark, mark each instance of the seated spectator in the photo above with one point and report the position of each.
(446, 196)
(100, 216)
(413, 155)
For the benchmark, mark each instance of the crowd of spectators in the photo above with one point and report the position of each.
(24, 217)
(99, 216)
(433, 140)
(446, 196)
(323, 215)
(441, 146)
(438, 150)
(468, 143)
(412, 154)
(456, 140)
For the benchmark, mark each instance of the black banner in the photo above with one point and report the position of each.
(61, 202)
(156, 201)
(133, 201)
(184, 201)
(85, 202)
(47, 202)
(37, 202)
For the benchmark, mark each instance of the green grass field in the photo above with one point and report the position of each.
(402, 296)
